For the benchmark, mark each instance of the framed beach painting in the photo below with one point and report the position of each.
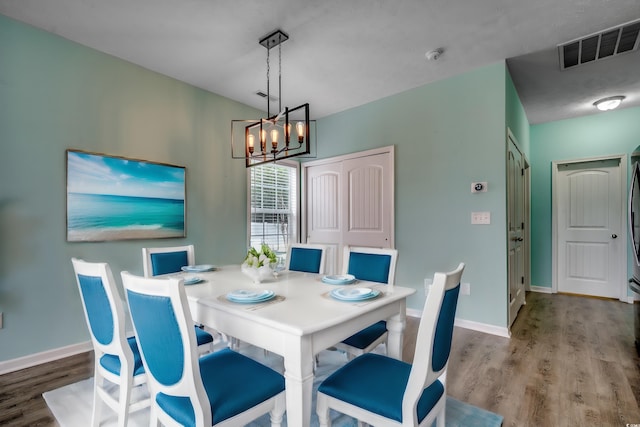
(115, 198)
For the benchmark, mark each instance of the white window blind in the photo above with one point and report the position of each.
(273, 216)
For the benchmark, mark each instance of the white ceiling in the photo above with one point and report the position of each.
(345, 53)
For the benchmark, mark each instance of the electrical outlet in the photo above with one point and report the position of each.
(465, 288)
(428, 281)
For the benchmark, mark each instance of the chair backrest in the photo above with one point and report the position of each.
(103, 309)
(433, 341)
(372, 264)
(306, 257)
(166, 339)
(157, 261)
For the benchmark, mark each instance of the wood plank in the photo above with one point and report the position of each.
(571, 361)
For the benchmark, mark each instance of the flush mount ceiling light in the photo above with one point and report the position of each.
(284, 135)
(609, 103)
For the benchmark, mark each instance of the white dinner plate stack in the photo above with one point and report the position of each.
(339, 279)
(192, 280)
(198, 268)
(354, 294)
(249, 296)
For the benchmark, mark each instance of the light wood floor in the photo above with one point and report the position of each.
(570, 361)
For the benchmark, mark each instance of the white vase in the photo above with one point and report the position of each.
(257, 274)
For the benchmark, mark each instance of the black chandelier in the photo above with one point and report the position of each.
(276, 137)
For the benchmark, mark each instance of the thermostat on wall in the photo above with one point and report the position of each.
(479, 187)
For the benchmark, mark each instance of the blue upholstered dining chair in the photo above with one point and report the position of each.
(223, 388)
(374, 265)
(305, 257)
(117, 359)
(384, 391)
(167, 260)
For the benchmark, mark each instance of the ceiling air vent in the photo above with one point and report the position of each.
(606, 44)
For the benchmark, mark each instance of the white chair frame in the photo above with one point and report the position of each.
(393, 253)
(219, 340)
(322, 248)
(147, 265)
(422, 375)
(190, 384)
(118, 346)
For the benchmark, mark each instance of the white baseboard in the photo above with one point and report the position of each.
(541, 289)
(468, 324)
(483, 327)
(414, 313)
(44, 357)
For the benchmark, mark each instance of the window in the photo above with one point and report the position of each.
(273, 207)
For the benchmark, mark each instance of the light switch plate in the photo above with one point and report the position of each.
(481, 218)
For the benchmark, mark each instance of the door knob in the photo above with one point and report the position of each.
(614, 236)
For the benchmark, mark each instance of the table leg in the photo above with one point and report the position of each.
(298, 375)
(395, 327)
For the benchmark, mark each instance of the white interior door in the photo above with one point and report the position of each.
(368, 196)
(349, 201)
(323, 206)
(589, 220)
(516, 226)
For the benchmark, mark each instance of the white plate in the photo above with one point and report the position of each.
(339, 279)
(354, 294)
(198, 268)
(247, 293)
(241, 296)
(192, 280)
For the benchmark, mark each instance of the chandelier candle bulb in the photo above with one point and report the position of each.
(263, 140)
(251, 143)
(287, 134)
(274, 139)
(300, 129)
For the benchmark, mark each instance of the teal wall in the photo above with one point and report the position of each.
(603, 134)
(447, 134)
(516, 117)
(54, 95)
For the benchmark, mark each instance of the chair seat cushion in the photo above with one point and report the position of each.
(366, 336)
(233, 382)
(111, 362)
(203, 337)
(377, 383)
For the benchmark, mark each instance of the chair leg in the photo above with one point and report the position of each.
(123, 401)
(98, 382)
(322, 409)
(277, 413)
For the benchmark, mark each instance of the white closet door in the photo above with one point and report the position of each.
(349, 201)
(368, 197)
(323, 207)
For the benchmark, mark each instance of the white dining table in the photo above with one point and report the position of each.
(302, 320)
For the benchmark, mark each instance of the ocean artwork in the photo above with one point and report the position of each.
(115, 198)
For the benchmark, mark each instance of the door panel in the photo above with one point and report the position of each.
(323, 202)
(350, 201)
(368, 195)
(589, 200)
(515, 225)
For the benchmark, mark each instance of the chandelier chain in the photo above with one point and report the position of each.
(268, 92)
(279, 78)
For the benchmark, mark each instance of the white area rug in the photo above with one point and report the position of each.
(71, 405)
